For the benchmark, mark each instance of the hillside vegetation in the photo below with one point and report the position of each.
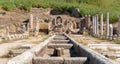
(91, 7)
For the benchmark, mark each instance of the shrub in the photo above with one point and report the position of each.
(90, 7)
(8, 6)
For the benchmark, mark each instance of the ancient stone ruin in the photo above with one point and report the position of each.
(60, 48)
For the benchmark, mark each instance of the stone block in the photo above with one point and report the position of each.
(59, 41)
(50, 60)
(65, 46)
(59, 60)
(75, 60)
(59, 38)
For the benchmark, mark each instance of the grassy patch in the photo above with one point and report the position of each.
(91, 7)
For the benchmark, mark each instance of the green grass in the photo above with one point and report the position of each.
(90, 7)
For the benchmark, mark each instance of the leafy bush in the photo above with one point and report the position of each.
(8, 6)
(90, 7)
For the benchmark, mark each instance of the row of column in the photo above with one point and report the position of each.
(97, 26)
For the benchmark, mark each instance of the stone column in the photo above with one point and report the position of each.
(31, 21)
(86, 21)
(93, 24)
(107, 25)
(111, 30)
(37, 25)
(97, 25)
(101, 24)
(50, 27)
(89, 21)
(119, 26)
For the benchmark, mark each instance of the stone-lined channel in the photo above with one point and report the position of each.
(60, 49)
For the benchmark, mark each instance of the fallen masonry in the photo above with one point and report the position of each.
(60, 49)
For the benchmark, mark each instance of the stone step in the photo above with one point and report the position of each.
(59, 41)
(65, 46)
(59, 38)
(59, 60)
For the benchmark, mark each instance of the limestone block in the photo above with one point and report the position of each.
(75, 60)
(59, 38)
(65, 46)
(50, 60)
(59, 41)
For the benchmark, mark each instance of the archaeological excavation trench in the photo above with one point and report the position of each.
(60, 49)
